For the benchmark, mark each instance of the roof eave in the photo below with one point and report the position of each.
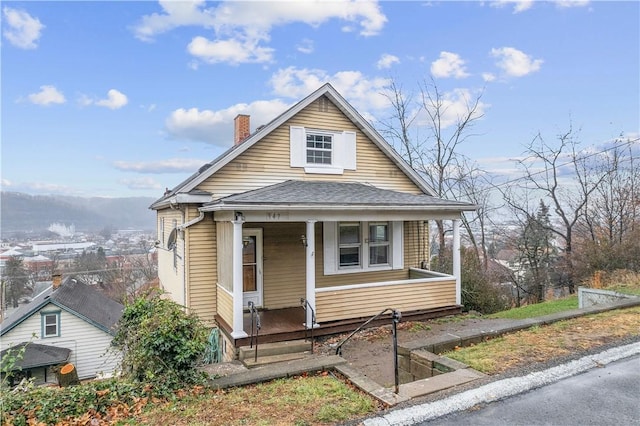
(336, 207)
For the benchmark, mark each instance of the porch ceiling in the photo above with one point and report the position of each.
(337, 197)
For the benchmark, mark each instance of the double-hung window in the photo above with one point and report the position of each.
(319, 148)
(349, 245)
(50, 324)
(362, 246)
(379, 243)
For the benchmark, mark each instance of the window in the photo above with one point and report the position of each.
(362, 246)
(50, 324)
(322, 151)
(349, 245)
(319, 148)
(379, 243)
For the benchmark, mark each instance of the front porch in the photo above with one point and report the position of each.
(286, 324)
(338, 309)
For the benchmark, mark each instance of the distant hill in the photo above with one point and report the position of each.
(35, 213)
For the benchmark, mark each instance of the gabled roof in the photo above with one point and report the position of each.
(332, 195)
(326, 90)
(75, 297)
(36, 355)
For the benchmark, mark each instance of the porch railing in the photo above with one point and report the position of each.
(255, 320)
(309, 328)
(395, 319)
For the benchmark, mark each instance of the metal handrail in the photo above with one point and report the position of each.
(395, 318)
(255, 319)
(306, 305)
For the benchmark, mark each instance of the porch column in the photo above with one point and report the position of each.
(238, 326)
(457, 269)
(311, 271)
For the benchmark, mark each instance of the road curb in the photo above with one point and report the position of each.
(501, 389)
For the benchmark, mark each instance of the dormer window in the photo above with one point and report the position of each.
(319, 148)
(321, 151)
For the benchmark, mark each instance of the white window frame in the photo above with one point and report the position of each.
(343, 150)
(386, 243)
(331, 248)
(359, 245)
(322, 149)
(44, 316)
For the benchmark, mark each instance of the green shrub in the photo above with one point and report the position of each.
(161, 344)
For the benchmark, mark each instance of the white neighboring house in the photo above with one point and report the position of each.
(67, 322)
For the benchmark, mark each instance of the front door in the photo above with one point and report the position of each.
(252, 266)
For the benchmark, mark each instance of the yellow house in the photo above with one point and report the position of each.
(314, 220)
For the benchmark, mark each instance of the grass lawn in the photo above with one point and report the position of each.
(539, 309)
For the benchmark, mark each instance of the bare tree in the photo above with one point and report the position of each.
(564, 176)
(437, 157)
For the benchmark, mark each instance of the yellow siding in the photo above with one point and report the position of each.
(267, 162)
(368, 301)
(225, 305)
(283, 264)
(171, 277)
(202, 266)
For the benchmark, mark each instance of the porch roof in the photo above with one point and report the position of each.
(295, 194)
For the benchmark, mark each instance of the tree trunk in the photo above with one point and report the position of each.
(68, 376)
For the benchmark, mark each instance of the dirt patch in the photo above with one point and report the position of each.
(371, 351)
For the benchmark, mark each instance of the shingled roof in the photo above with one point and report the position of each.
(75, 297)
(336, 194)
(36, 355)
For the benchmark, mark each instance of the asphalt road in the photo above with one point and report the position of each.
(608, 395)
(597, 389)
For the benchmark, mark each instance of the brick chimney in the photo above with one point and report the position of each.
(57, 280)
(242, 130)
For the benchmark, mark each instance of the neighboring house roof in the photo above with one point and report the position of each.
(36, 355)
(187, 186)
(75, 297)
(294, 193)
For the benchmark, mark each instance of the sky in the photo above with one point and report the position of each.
(125, 98)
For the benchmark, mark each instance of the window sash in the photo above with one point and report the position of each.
(319, 148)
(51, 325)
(349, 245)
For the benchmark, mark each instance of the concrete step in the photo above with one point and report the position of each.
(273, 359)
(277, 348)
(438, 383)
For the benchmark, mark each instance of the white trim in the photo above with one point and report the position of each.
(256, 296)
(383, 284)
(218, 285)
(332, 253)
(238, 320)
(310, 271)
(457, 266)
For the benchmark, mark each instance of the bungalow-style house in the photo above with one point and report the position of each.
(313, 210)
(67, 322)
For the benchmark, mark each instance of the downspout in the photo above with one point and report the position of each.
(191, 222)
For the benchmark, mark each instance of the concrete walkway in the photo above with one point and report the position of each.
(226, 376)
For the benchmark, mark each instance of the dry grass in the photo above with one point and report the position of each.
(304, 400)
(540, 344)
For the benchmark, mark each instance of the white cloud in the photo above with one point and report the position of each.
(241, 29)
(305, 46)
(365, 94)
(514, 62)
(386, 61)
(448, 65)
(216, 127)
(455, 105)
(233, 51)
(21, 29)
(114, 100)
(5, 183)
(571, 3)
(141, 183)
(172, 165)
(518, 5)
(46, 96)
(488, 77)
